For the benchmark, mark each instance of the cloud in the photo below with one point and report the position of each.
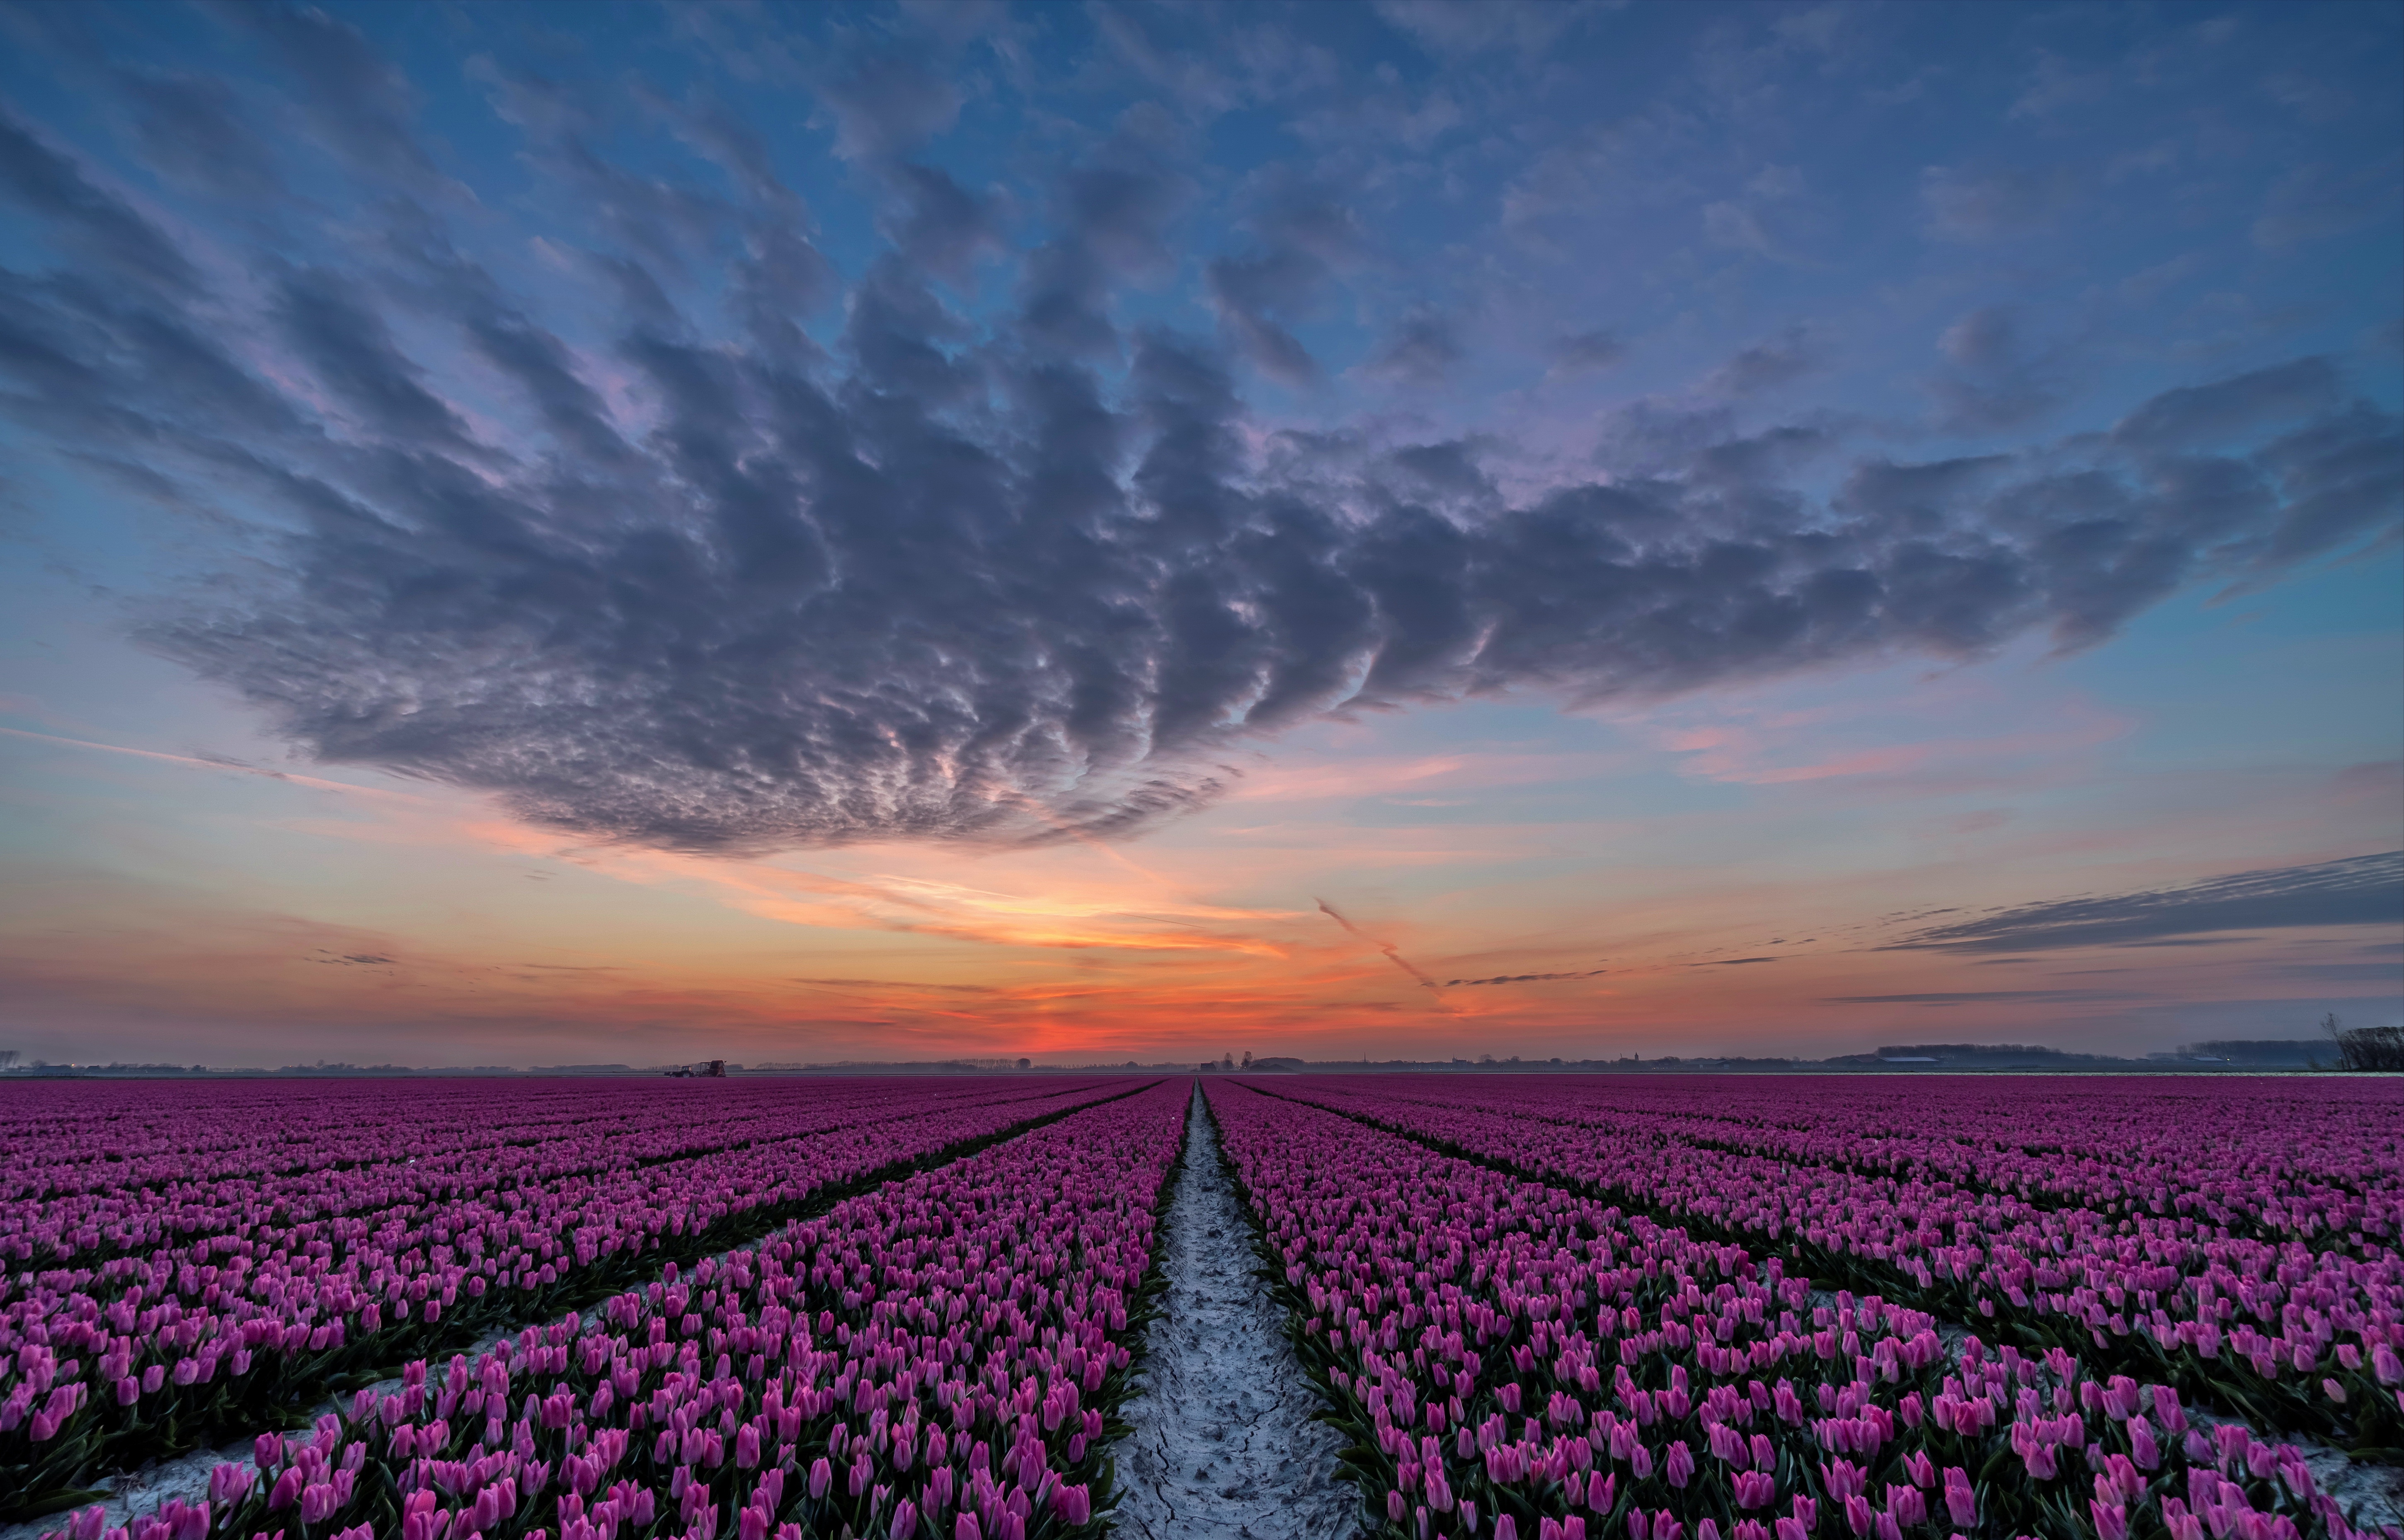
(796, 620)
(1261, 294)
(357, 103)
(1584, 352)
(1767, 364)
(887, 104)
(999, 573)
(2176, 419)
(2057, 85)
(2359, 890)
(1729, 962)
(93, 222)
(2345, 972)
(1996, 383)
(191, 130)
(1393, 954)
(1966, 997)
(1421, 350)
(1110, 218)
(1450, 29)
(342, 340)
(2315, 201)
(1976, 207)
(1521, 978)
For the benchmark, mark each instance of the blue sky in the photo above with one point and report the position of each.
(1008, 508)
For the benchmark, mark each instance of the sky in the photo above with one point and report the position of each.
(546, 534)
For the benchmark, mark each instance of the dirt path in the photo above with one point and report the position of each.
(1223, 1447)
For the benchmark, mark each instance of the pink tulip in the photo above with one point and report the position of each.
(1960, 1503)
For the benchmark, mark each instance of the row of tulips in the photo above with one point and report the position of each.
(104, 1366)
(937, 1358)
(2271, 1159)
(91, 1165)
(2287, 1334)
(1522, 1362)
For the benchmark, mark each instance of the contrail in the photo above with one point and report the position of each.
(1388, 947)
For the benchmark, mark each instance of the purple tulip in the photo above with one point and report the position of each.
(1960, 1503)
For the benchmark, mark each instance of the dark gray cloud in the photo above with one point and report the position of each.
(1996, 383)
(1521, 978)
(939, 224)
(998, 577)
(345, 342)
(355, 101)
(191, 130)
(2176, 419)
(1263, 293)
(95, 223)
(2361, 890)
(1421, 350)
(1584, 352)
(1768, 364)
(1109, 221)
(886, 104)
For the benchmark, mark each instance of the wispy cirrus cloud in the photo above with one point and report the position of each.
(1523, 978)
(1970, 996)
(2358, 891)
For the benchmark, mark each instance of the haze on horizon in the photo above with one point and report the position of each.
(547, 534)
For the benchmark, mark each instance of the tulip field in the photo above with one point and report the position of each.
(1538, 1308)
(1564, 1308)
(183, 1262)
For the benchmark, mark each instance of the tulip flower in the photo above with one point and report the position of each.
(1960, 1503)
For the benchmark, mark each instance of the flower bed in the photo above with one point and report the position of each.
(1520, 1361)
(388, 1221)
(939, 1357)
(2242, 1251)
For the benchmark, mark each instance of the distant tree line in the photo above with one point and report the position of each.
(2365, 1047)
